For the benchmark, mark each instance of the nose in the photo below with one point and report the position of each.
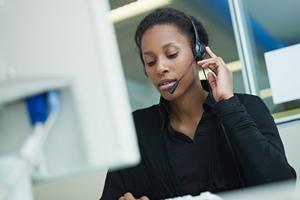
(162, 67)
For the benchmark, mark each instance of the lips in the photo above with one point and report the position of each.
(166, 84)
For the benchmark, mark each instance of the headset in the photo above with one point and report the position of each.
(199, 53)
(198, 48)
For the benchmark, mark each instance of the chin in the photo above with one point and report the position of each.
(170, 97)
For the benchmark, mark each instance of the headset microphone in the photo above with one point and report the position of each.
(199, 54)
(172, 89)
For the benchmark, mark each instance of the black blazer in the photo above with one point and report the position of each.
(256, 148)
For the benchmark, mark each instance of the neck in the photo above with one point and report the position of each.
(189, 105)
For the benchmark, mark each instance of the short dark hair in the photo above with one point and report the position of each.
(171, 16)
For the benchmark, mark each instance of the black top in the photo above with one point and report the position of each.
(255, 140)
(191, 158)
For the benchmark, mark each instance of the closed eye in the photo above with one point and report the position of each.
(151, 63)
(173, 55)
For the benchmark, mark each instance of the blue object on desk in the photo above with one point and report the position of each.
(38, 108)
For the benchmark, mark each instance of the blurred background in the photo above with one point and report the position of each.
(271, 25)
(241, 32)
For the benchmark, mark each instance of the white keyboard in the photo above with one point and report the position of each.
(202, 196)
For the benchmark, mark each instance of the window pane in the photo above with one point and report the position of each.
(271, 25)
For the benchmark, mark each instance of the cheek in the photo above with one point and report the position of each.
(196, 73)
(190, 77)
(150, 73)
(151, 77)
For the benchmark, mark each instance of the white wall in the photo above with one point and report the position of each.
(290, 136)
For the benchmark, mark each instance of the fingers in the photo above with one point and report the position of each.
(212, 80)
(220, 77)
(210, 53)
(211, 63)
(129, 196)
(144, 198)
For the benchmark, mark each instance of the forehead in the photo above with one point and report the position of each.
(160, 35)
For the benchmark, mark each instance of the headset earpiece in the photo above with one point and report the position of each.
(199, 48)
(199, 51)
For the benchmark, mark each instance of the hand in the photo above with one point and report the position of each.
(129, 196)
(220, 80)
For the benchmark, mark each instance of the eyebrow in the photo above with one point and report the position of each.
(169, 44)
(164, 46)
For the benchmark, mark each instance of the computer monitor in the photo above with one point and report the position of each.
(68, 46)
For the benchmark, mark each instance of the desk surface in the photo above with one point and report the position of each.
(275, 191)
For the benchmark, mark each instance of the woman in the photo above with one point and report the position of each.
(201, 136)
